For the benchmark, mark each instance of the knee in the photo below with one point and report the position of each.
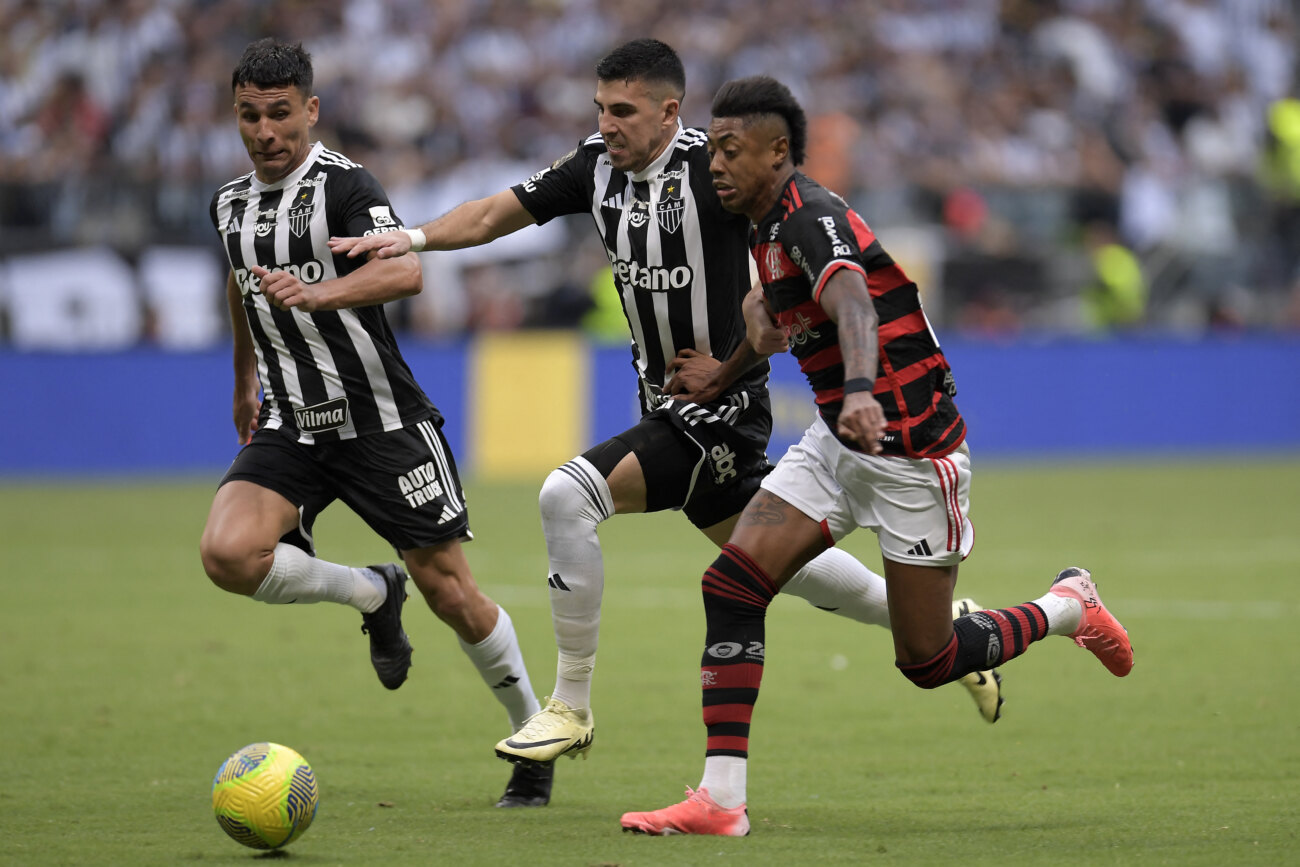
(564, 497)
(232, 567)
(917, 678)
(935, 670)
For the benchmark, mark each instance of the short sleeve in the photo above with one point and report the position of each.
(563, 187)
(821, 241)
(363, 206)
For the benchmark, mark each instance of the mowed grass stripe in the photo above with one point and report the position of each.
(127, 678)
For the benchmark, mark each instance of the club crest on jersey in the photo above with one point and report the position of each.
(301, 210)
(330, 415)
(671, 205)
(774, 264)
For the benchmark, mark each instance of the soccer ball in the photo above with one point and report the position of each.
(264, 796)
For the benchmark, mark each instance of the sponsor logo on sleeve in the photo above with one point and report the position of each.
(838, 247)
(530, 185)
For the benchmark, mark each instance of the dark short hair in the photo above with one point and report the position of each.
(647, 60)
(762, 95)
(271, 63)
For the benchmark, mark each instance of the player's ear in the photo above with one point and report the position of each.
(313, 110)
(780, 151)
(671, 107)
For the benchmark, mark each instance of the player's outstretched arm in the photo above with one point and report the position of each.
(466, 225)
(378, 281)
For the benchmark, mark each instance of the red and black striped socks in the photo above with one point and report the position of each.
(981, 640)
(736, 595)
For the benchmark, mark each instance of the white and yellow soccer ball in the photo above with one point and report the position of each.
(265, 796)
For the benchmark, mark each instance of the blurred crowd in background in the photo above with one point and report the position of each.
(1077, 165)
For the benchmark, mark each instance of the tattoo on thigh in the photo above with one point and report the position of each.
(764, 510)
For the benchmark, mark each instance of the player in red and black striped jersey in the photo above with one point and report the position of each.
(325, 407)
(886, 452)
(679, 263)
(913, 382)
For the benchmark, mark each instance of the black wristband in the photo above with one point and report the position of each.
(858, 383)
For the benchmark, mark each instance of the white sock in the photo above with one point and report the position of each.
(836, 581)
(501, 665)
(574, 499)
(724, 780)
(296, 576)
(1063, 613)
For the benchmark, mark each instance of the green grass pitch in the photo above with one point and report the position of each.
(127, 679)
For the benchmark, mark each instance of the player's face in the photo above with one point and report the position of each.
(636, 120)
(275, 124)
(745, 162)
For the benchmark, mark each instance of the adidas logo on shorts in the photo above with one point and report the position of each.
(920, 549)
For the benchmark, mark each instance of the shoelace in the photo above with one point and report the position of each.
(702, 798)
(540, 723)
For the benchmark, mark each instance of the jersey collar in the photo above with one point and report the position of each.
(294, 176)
(782, 205)
(662, 160)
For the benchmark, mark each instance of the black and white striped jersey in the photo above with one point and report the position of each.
(328, 375)
(680, 260)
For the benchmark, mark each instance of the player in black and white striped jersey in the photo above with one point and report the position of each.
(680, 264)
(327, 409)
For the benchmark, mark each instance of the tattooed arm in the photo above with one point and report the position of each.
(847, 301)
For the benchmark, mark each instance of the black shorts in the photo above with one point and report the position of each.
(707, 460)
(402, 483)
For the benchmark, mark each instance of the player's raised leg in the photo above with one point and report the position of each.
(837, 582)
(243, 552)
(985, 687)
(930, 656)
(1097, 629)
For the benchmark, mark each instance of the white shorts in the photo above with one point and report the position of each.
(916, 507)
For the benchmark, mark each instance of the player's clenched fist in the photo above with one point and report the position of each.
(862, 420)
(763, 333)
(286, 291)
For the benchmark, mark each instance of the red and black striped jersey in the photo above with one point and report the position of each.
(809, 235)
